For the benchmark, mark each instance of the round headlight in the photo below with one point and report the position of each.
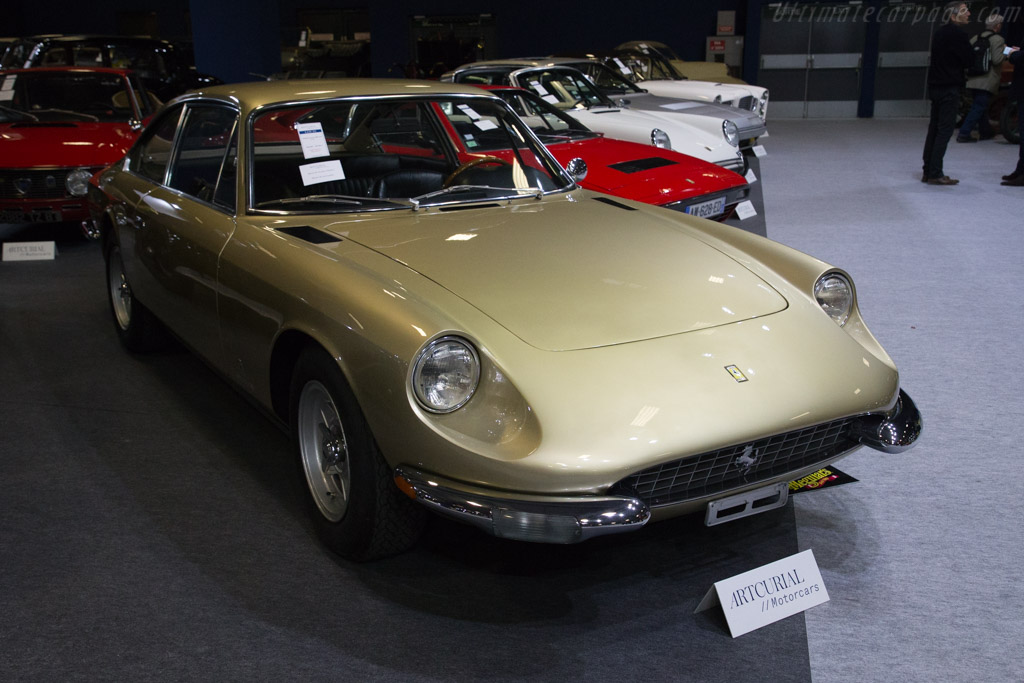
(446, 374)
(834, 294)
(731, 133)
(659, 138)
(77, 182)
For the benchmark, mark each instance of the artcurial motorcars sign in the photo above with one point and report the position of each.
(767, 594)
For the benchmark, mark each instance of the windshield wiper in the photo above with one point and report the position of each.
(345, 200)
(17, 114)
(571, 135)
(416, 201)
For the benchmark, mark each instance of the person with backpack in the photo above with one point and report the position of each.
(950, 56)
(983, 80)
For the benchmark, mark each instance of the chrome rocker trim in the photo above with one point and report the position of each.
(894, 432)
(539, 519)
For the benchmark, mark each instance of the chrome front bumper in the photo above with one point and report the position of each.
(893, 432)
(571, 519)
(525, 518)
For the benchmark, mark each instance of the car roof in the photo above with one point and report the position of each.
(518, 62)
(87, 38)
(262, 93)
(65, 69)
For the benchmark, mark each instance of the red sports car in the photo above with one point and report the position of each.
(625, 169)
(59, 126)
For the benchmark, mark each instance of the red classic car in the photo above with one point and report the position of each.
(59, 126)
(625, 169)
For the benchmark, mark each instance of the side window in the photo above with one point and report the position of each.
(206, 134)
(86, 55)
(151, 156)
(54, 56)
(226, 184)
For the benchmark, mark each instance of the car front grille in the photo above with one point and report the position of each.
(33, 183)
(735, 466)
(748, 103)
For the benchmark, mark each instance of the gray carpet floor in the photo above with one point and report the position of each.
(922, 558)
(152, 526)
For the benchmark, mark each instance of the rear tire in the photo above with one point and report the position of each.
(357, 509)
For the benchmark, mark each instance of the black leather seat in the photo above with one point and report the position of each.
(407, 183)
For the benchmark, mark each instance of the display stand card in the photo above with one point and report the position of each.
(768, 594)
(745, 210)
(751, 176)
(469, 111)
(313, 141)
(759, 151)
(29, 251)
(321, 172)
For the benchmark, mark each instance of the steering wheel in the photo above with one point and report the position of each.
(472, 164)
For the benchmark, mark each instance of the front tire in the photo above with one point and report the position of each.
(136, 327)
(357, 509)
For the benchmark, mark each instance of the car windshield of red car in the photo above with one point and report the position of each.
(65, 96)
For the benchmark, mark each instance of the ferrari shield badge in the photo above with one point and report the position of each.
(736, 373)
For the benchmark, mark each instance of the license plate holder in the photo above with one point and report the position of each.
(746, 504)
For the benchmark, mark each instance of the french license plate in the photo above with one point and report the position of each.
(712, 207)
(33, 216)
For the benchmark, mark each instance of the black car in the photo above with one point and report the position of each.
(167, 69)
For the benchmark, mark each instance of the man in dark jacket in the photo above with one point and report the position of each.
(950, 57)
(1017, 92)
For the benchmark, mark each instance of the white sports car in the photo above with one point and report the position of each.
(708, 139)
(657, 75)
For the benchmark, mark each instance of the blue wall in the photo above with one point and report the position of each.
(235, 37)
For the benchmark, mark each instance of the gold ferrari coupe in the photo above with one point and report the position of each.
(480, 337)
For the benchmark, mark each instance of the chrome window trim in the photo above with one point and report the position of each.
(250, 210)
(185, 105)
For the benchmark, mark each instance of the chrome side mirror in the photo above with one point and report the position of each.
(135, 125)
(577, 168)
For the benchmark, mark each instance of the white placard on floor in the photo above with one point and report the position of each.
(29, 251)
(745, 210)
(768, 594)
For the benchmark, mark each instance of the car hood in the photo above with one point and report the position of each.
(574, 271)
(644, 172)
(63, 143)
(636, 126)
(696, 90)
(743, 118)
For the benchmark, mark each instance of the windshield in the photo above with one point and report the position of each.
(563, 88)
(392, 153)
(65, 96)
(548, 123)
(16, 54)
(608, 81)
(647, 67)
